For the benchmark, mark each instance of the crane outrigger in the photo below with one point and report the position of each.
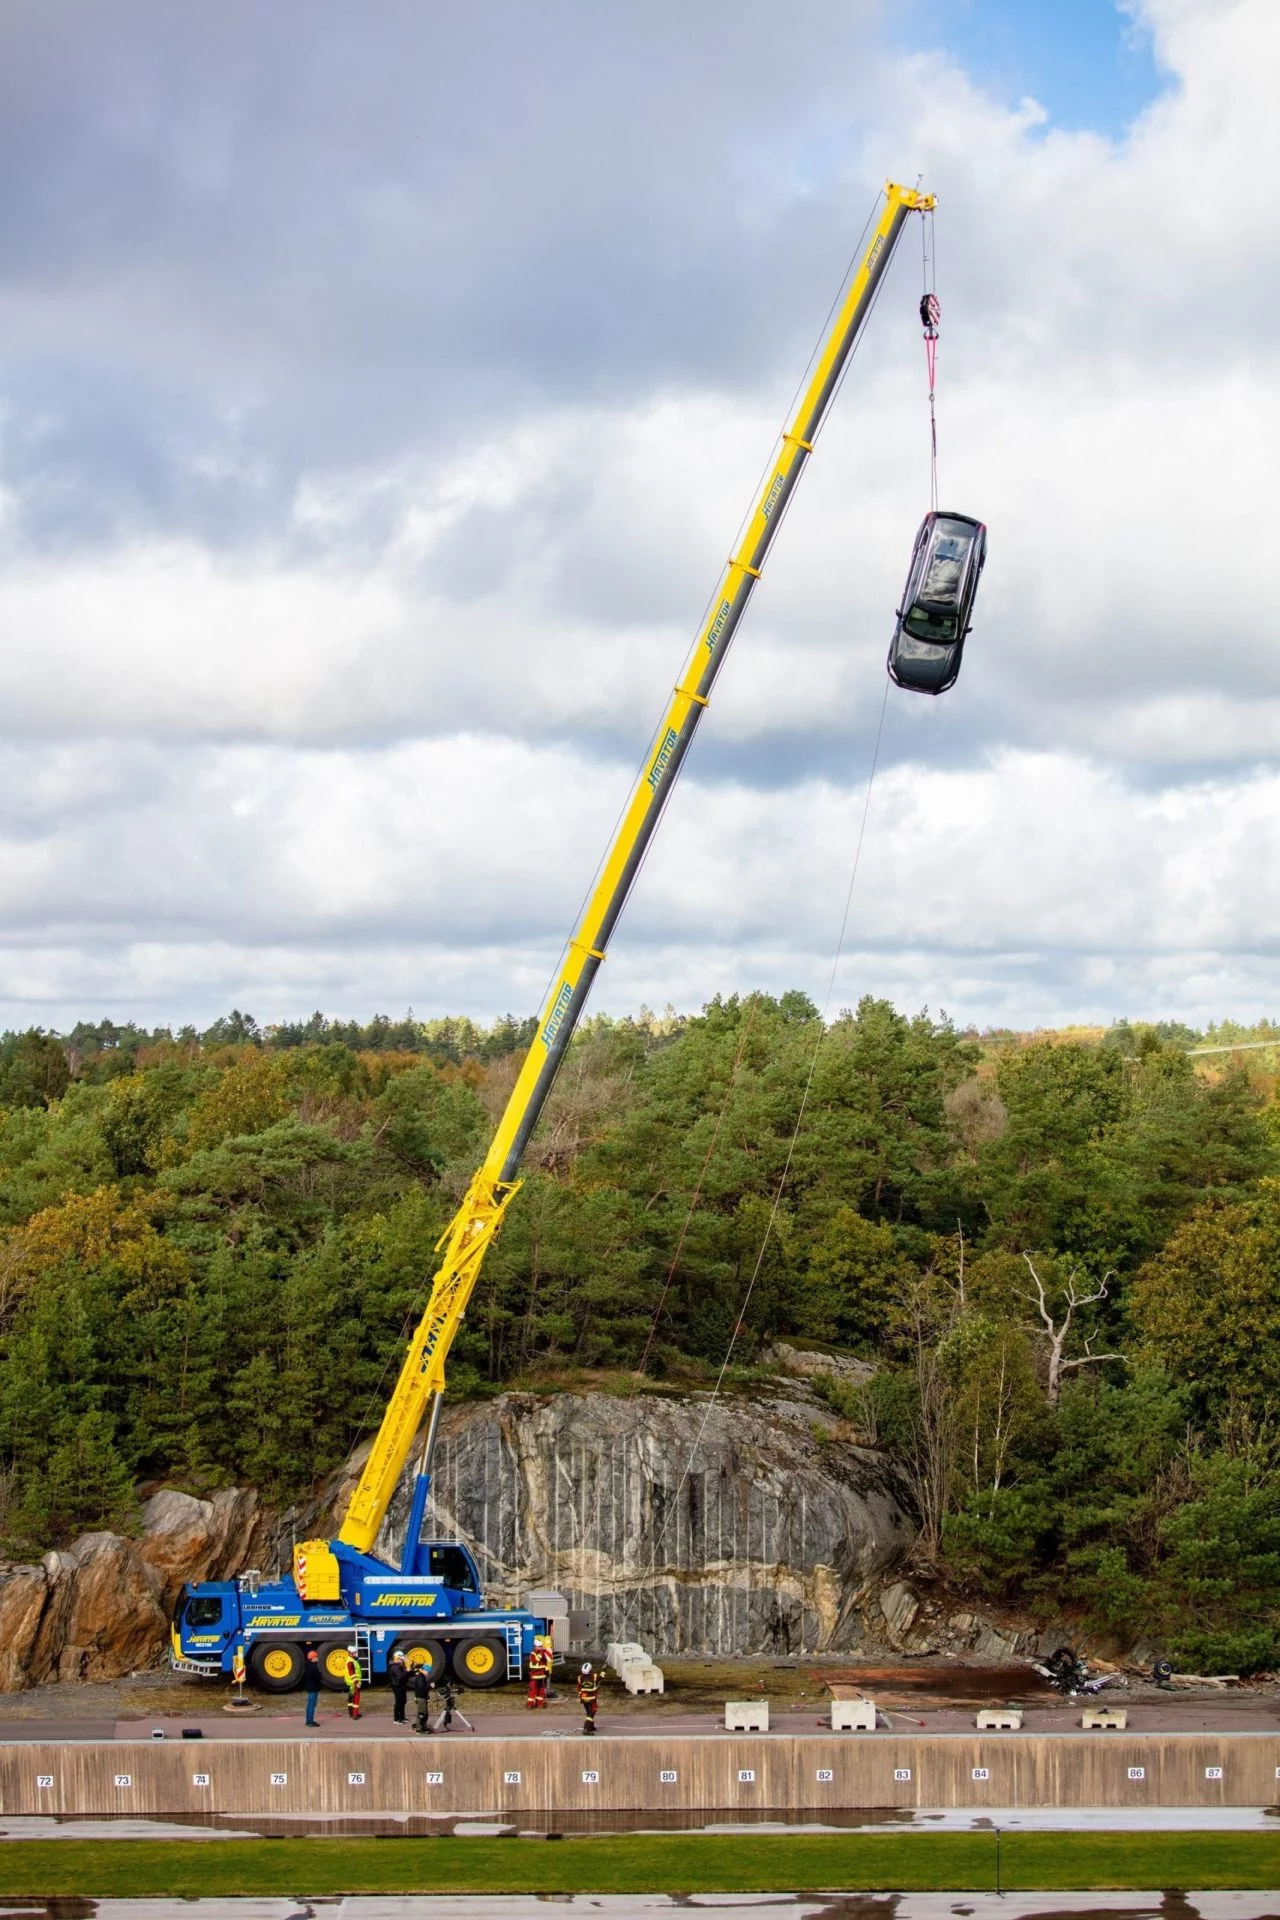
(431, 1606)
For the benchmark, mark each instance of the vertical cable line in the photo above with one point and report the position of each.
(791, 1148)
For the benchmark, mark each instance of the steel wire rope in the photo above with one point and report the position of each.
(929, 299)
(786, 1170)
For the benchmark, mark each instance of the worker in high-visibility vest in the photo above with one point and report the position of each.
(589, 1694)
(539, 1672)
(351, 1678)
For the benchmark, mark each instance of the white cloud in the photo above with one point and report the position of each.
(363, 751)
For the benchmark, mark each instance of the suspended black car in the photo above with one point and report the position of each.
(946, 565)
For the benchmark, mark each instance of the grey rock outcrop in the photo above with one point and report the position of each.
(693, 1524)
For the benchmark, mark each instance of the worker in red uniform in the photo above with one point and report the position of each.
(539, 1673)
(589, 1694)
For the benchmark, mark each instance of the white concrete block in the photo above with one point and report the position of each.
(746, 1716)
(643, 1677)
(999, 1720)
(853, 1716)
(1100, 1717)
(619, 1652)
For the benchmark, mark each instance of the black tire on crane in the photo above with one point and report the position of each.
(480, 1660)
(332, 1655)
(420, 1650)
(276, 1665)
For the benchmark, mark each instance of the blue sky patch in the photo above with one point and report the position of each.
(1087, 62)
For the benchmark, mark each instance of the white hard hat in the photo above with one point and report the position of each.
(586, 1666)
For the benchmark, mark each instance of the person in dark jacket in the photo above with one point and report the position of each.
(422, 1696)
(589, 1694)
(313, 1682)
(398, 1675)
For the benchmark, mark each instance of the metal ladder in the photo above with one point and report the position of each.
(515, 1650)
(364, 1654)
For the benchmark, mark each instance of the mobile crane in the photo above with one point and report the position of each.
(341, 1594)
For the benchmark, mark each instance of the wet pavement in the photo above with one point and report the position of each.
(534, 1826)
(765, 1906)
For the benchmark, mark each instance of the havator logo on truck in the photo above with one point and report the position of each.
(405, 1600)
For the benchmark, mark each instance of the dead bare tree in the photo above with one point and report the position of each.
(1057, 1331)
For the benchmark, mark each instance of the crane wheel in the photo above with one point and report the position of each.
(420, 1650)
(481, 1662)
(276, 1665)
(332, 1655)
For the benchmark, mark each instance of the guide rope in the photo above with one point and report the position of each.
(673, 1506)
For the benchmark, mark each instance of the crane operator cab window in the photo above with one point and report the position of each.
(451, 1564)
(200, 1610)
(204, 1613)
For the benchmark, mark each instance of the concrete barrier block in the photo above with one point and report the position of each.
(619, 1652)
(853, 1716)
(1100, 1717)
(999, 1720)
(746, 1716)
(643, 1677)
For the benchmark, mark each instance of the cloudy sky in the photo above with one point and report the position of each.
(380, 390)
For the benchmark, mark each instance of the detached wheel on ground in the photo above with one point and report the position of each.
(332, 1655)
(421, 1651)
(276, 1665)
(481, 1662)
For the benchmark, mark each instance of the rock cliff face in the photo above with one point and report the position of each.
(695, 1525)
(717, 1526)
(101, 1607)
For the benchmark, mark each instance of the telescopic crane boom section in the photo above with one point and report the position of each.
(469, 1235)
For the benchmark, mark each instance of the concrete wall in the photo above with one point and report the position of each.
(1022, 1770)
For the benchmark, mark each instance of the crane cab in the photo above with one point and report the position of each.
(204, 1623)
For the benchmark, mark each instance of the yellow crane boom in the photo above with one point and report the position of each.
(472, 1229)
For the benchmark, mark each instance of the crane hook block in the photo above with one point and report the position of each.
(930, 314)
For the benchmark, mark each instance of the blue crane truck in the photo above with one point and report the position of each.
(435, 1616)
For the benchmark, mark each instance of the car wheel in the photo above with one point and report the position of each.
(481, 1662)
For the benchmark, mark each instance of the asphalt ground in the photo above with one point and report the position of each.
(922, 1697)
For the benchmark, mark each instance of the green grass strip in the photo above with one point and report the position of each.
(632, 1863)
